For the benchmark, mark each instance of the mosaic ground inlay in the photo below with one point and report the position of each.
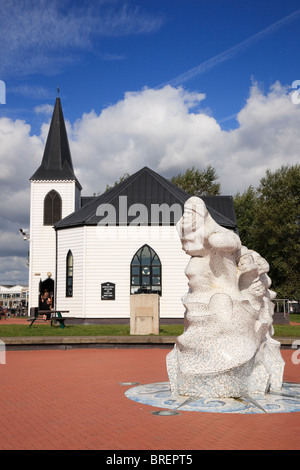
(159, 395)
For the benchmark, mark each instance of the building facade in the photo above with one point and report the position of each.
(14, 297)
(55, 193)
(93, 253)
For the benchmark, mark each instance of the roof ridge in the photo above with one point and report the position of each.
(171, 186)
(124, 184)
(158, 190)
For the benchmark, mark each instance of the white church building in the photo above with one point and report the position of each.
(93, 253)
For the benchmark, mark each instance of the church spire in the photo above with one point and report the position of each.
(57, 161)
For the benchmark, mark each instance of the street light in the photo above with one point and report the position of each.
(25, 234)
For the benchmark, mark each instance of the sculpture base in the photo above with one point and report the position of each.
(198, 373)
(159, 395)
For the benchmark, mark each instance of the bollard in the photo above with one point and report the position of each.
(2, 352)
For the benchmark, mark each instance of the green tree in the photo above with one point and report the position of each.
(197, 182)
(120, 180)
(277, 227)
(245, 210)
(272, 214)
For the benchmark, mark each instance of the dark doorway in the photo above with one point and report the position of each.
(47, 285)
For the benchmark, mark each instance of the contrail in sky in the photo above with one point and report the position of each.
(231, 52)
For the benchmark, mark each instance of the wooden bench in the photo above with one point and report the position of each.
(55, 316)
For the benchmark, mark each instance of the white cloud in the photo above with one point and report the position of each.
(267, 137)
(58, 31)
(14, 270)
(20, 154)
(30, 91)
(44, 109)
(165, 129)
(144, 128)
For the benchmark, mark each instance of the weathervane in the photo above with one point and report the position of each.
(57, 90)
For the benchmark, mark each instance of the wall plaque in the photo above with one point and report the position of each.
(108, 291)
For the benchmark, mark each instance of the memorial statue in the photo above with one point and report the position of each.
(227, 349)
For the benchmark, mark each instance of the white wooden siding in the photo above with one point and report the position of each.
(71, 239)
(42, 238)
(101, 257)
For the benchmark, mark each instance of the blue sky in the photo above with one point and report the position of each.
(169, 84)
(97, 50)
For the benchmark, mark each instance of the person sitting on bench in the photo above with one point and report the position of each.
(46, 304)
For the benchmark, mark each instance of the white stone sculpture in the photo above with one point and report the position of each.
(227, 349)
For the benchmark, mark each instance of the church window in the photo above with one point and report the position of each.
(52, 208)
(69, 275)
(145, 272)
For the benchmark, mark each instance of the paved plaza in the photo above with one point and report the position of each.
(72, 399)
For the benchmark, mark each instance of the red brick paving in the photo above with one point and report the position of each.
(14, 321)
(72, 399)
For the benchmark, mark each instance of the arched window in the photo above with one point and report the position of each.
(52, 208)
(145, 272)
(69, 274)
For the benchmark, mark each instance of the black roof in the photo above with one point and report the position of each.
(57, 161)
(147, 187)
(223, 205)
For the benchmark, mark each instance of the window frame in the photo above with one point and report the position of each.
(52, 208)
(69, 277)
(137, 270)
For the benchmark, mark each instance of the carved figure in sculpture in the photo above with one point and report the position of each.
(213, 250)
(226, 348)
(270, 350)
